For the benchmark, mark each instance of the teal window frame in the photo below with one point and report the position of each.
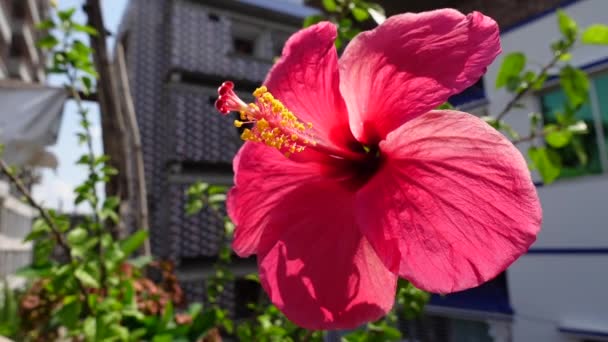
(595, 115)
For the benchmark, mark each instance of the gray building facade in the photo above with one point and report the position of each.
(178, 52)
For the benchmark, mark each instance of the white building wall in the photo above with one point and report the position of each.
(558, 286)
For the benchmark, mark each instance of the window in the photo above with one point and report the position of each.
(595, 143)
(246, 39)
(243, 46)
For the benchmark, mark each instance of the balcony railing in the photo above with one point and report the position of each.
(5, 23)
(24, 35)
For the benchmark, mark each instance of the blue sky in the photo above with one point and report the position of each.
(55, 190)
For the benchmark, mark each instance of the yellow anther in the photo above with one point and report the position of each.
(262, 124)
(261, 90)
(273, 124)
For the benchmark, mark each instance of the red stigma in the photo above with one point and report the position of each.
(225, 94)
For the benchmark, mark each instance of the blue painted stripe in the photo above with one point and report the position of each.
(583, 332)
(569, 251)
(538, 16)
(586, 67)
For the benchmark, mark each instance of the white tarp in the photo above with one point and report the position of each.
(29, 121)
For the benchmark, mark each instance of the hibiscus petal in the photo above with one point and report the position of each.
(317, 267)
(263, 176)
(306, 80)
(453, 202)
(411, 64)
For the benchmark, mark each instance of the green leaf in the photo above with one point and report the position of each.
(77, 236)
(580, 127)
(351, 33)
(575, 83)
(47, 42)
(133, 242)
(39, 229)
(8, 308)
(32, 272)
(46, 24)
(539, 82)
(377, 13)
(163, 338)
(43, 249)
(512, 65)
(202, 323)
(84, 160)
(119, 331)
(579, 149)
(217, 198)
(87, 85)
(197, 189)
(86, 278)
(85, 29)
(565, 57)
(596, 34)
(556, 137)
(81, 48)
(360, 14)
(217, 189)
(330, 5)
(194, 309)
(311, 20)
(90, 328)
(547, 162)
(141, 261)
(567, 25)
(67, 14)
(446, 105)
(253, 277)
(68, 314)
(167, 314)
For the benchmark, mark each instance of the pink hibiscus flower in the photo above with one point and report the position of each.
(349, 178)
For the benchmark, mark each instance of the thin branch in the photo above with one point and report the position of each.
(5, 169)
(526, 139)
(94, 201)
(532, 136)
(525, 91)
(30, 200)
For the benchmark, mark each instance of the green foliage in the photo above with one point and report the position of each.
(97, 289)
(575, 83)
(410, 305)
(311, 20)
(567, 26)
(596, 34)
(446, 105)
(9, 318)
(347, 15)
(509, 73)
(546, 161)
(330, 5)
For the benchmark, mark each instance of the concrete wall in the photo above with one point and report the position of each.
(563, 281)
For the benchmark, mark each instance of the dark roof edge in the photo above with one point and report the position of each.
(285, 13)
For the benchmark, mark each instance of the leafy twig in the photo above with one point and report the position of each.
(5, 169)
(520, 94)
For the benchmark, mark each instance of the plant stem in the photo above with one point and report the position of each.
(94, 201)
(526, 90)
(533, 135)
